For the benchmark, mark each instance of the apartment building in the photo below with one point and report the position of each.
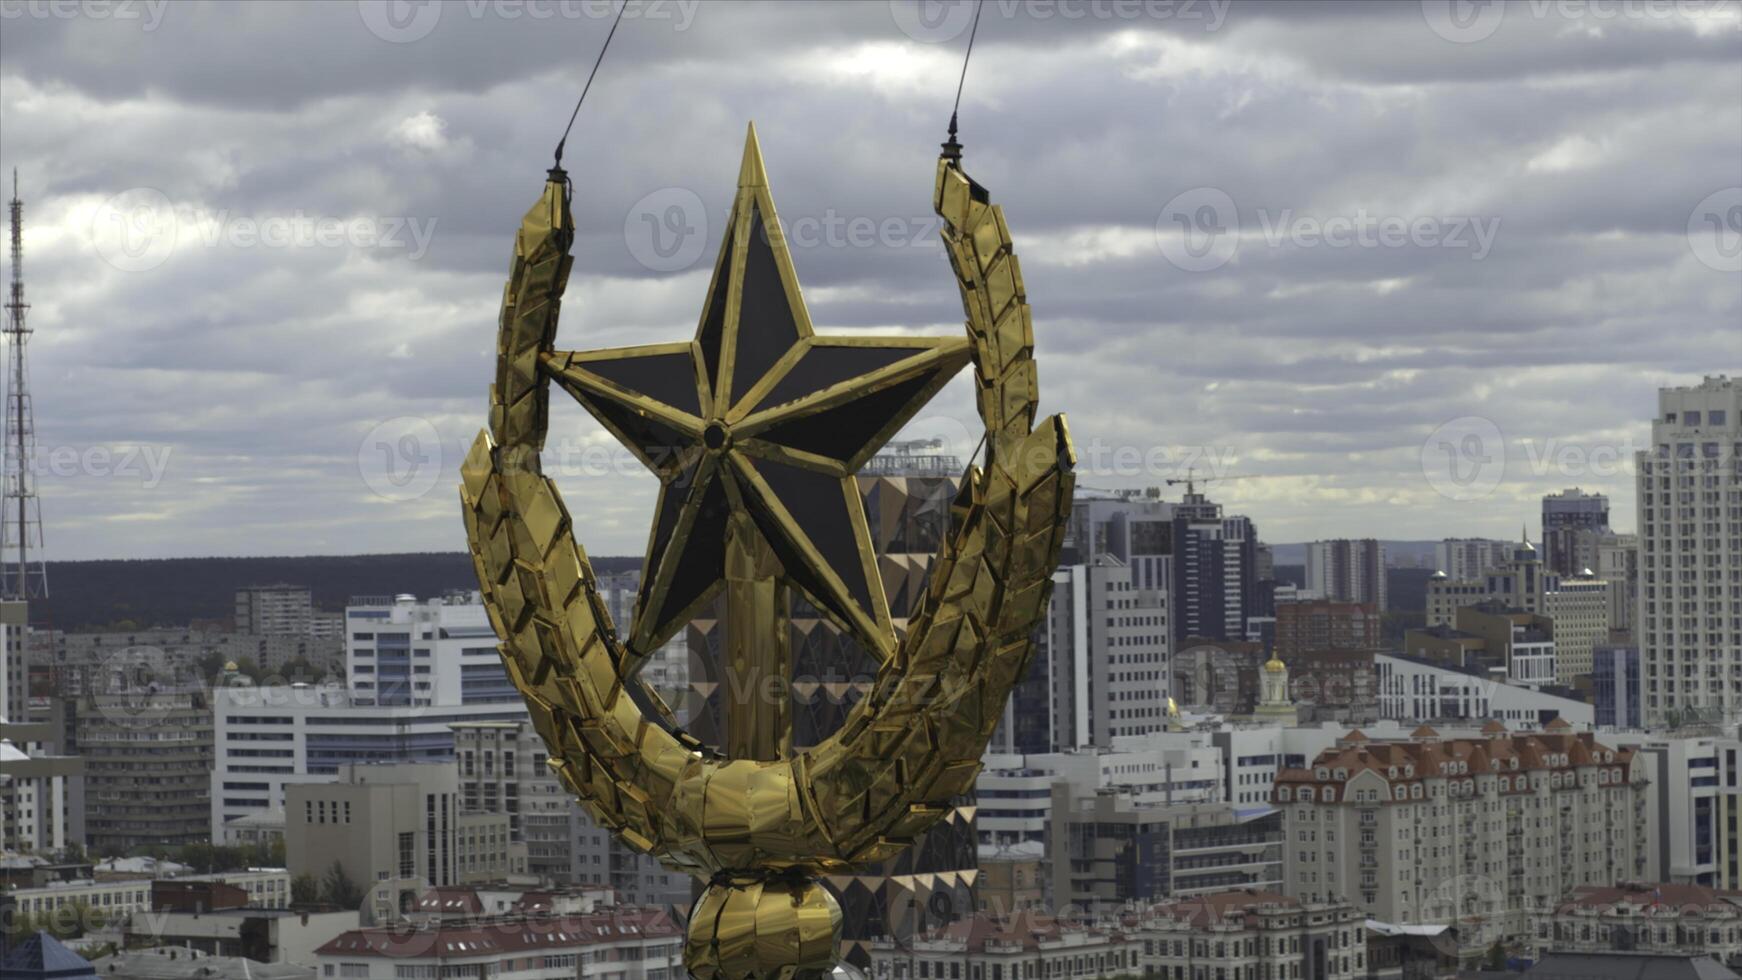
(1690, 562)
(1473, 831)
(148, 761)
(501, 766)
(1107, 646)
(1347, 570)
(1466, 559)
(1253, 934)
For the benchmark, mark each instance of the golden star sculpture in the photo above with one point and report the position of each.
(759, 416)
(755, 429)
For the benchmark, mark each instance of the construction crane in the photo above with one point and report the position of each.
(1191, 480)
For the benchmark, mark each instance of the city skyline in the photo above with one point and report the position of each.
(297, 264)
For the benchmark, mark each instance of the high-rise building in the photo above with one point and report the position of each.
(502, 770)
(14, 662)
(1694, 813)
(1215, 581)
(1347, 571)
(274, 610)
(1462, 559)
(1615, 682)
(1107, 646)
(148, 763)
(1618, 564)
(1573, 522)
(1477, 832)
(1690, 537)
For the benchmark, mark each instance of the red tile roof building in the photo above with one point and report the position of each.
(623, 943)
(1646, 917)
(1476, 832)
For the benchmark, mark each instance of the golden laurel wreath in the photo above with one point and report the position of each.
(909, 746)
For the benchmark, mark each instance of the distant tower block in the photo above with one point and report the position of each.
(23, 575)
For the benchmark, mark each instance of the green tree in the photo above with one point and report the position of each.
(305, 890)
(338, 889)
(1496, 958)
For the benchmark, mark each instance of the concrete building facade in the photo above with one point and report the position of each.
(1690, 562)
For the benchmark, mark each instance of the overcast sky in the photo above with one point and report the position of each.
(1344, 251)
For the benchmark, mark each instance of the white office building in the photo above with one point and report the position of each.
(1690, 563)
(1413, 690)
(268, 738)
(1106, 648)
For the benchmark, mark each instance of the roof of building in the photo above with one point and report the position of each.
(183, 964)
(1025, 929)
(1630, 895)
(505, 935)
(40, 957)
(1628, 966)
(1557, 749)
(1205, 910)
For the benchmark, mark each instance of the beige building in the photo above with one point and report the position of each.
(1578, 605)
(1645, 917)
(1013, 878)
(1477, 832)
(1690, 558)
(1023, 946)
(396, 829)
(1253, 934)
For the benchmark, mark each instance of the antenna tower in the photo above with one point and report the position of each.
(22, 574)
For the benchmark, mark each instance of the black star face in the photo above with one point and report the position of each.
(759, 413)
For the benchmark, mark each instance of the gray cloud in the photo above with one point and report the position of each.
(1583, 136)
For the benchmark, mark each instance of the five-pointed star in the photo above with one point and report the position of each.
(759, 413)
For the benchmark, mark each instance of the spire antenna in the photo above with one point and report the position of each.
(22, 573)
